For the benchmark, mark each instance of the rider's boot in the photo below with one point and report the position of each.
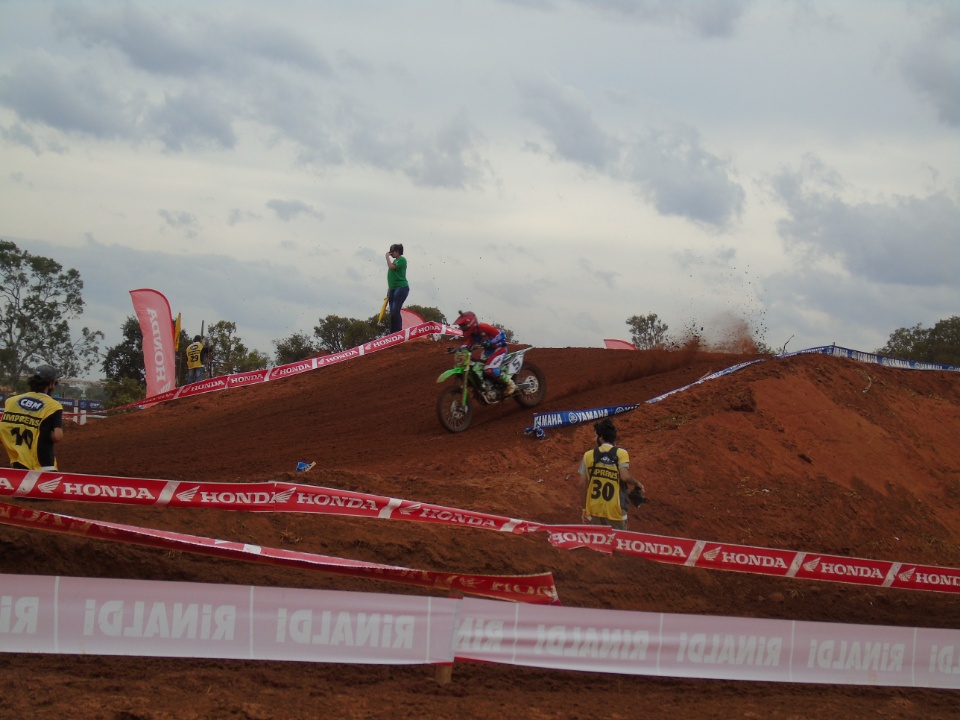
(510, 387)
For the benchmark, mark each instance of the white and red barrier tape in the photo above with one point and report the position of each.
(85, 616)
(255, 377)
(539, 589)
(291, 497)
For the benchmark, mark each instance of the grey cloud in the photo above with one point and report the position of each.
(604, 275)
(17, 134)
(152, 42)
(721, 258)
(934, 75)
(297, 112)
(192, 58)
(717, 18)
(280, 46)
(192, 119)
(449, 158)
(187, 81)
(681, 178)
(236, 215)
(565, 117)
(172, 42)
(906, 240)
(346, 60)
(49, 91)
(820, 307)
(670, 168)
(287, 210)
(183, 221)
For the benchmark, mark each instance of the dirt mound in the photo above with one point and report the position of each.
(810, 453)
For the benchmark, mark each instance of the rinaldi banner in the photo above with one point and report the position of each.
(86, 616)
(291, 497)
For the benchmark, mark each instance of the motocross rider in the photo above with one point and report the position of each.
(494, 344)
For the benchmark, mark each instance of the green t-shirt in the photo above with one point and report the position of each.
(397, 278)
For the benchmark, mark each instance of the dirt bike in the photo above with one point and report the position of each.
(454, 406)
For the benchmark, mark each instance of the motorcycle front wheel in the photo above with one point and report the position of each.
(531, 386)
(453, 414)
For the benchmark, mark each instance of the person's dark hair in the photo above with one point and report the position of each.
(606, 430)
(397, 247)
(196, 338)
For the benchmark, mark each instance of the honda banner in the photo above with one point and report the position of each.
(159, 355)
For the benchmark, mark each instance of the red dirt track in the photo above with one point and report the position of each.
(807, 453)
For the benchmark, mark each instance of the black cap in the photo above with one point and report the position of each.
(45, 373)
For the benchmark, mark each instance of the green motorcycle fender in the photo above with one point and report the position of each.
(447, 374)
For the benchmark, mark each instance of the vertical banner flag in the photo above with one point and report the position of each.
(153, 311)
(176, 334)
(408, 319)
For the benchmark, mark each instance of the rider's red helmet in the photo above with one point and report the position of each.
(467, 322)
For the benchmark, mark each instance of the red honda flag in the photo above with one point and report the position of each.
(618, 345)
(408, 318)
(156, 323)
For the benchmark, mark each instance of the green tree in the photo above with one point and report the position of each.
(125, 359)
(336, 334)
(293, 348)
(228, 354)
(939, 344)
(648, 331)
(904, 342)
(37, 301)
(943, 342)
(123, 391)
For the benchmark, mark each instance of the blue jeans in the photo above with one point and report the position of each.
(395, 298)
(194, 374)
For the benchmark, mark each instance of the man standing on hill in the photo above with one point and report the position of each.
(196, 359)
(32, 422)
(603, 471)
(397, 286)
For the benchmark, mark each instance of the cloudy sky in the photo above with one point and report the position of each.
(555, 165)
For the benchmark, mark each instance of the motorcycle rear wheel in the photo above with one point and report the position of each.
(453, 414)
(531, 386)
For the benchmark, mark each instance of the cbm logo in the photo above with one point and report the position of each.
(30, 404)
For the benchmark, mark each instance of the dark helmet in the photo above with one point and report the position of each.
(606, 430)
(196, 338)
(467, 322)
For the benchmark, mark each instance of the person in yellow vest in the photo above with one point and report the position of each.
(32, 423)
(196, 359)
(604, 477)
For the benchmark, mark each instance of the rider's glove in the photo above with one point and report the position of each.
(636, 497)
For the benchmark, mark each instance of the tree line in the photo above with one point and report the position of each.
(39, 298)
